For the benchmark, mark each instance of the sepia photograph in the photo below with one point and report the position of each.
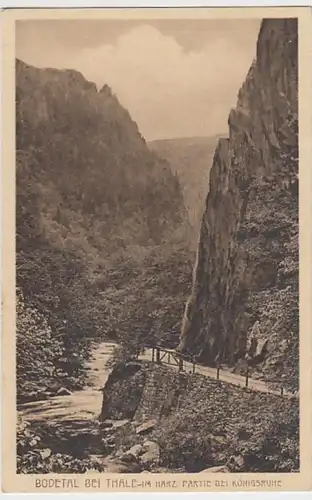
(157, 247)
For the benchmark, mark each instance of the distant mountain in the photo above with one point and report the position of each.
(191, 159)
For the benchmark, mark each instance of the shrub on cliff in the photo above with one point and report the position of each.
(279, 448)
(283, 363)
(123, 353)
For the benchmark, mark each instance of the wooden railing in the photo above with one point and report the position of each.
(162, 355)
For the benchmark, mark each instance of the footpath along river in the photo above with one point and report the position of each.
(85, 404)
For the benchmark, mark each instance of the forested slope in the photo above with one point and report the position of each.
(97, 213)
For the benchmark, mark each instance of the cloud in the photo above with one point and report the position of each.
(168, 91)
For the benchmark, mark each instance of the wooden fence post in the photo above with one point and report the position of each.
(180, 363)
(157, 356)
(218, 371)
(153, 355)
(193, 364)
(247, 374)
(282, 391)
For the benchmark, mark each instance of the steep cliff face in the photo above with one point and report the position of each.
(247, 260)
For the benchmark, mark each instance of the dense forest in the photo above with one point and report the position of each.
(100, 223)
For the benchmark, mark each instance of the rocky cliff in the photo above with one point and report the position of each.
(247, 260)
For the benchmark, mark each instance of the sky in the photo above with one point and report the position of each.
(177, 78)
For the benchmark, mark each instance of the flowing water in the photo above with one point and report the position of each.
(71, 421)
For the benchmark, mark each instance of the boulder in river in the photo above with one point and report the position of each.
(110, 440)
(45, 453)
(146, 427)
(128, 458)
(118, 466)
(121, 424)
(62, 391)
(106, 424)
(217, 468)
(135, 451)
(151, 454)
(114, 465)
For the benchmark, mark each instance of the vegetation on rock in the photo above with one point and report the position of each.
(40, 356)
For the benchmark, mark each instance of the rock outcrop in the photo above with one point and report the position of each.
(247, 260)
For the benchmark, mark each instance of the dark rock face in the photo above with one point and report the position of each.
(123, 391)
(247, 260)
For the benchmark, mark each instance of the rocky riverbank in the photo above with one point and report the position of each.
(64, 433)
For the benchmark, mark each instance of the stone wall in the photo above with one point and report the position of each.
(211, 419)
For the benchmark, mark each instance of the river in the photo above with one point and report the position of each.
(75, 415)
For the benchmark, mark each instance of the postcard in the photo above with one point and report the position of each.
(156, 172)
